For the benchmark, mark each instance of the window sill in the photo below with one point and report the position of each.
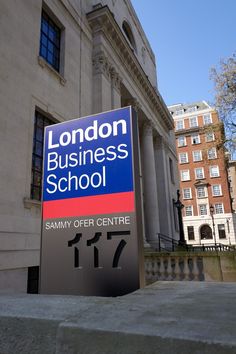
(29, 203)
(43, 63)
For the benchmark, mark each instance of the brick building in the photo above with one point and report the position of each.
(203, 175)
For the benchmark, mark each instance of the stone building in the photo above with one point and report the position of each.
(207, 213)
(63, 59)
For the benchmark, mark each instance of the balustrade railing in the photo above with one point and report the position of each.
(173, 267)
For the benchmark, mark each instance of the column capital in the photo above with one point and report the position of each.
(101, 65)
(134, 103)
(115, 79)
(147, 129)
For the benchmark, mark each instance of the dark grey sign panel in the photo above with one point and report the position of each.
(91, 237)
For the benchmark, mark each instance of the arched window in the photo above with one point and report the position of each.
(205, 232)
(129, 35)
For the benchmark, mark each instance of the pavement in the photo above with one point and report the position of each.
(165, 317)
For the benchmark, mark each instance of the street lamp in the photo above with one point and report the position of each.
(179, 207)
(213, 222)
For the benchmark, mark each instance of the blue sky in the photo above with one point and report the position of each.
(188, 37)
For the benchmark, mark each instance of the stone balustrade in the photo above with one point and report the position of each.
(166, 266)
(190, 266)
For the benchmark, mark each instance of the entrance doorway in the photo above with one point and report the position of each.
(205, 232)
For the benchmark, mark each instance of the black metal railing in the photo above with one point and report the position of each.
(169, 244)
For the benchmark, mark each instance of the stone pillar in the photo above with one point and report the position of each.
(115, 89)
(152, 226)
(162, 187)
(101, 84)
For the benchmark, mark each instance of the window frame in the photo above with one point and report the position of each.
(200, 195)
(198, 138)
(215, 153)
(181, 175)
(184, 143)
(190, 192)
(190, 122)
(220, 190)
(216, 210)
(190, 231)
(204, 120)
(210, 171)
(220, 231)
(40, 120)
(199, 209)
(186, 155)
(182, 125)
(50, 48)
(202, 173)
(209, 140)
(200, 154)
(190, 209)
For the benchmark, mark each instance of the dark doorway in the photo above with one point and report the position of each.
(206, 232)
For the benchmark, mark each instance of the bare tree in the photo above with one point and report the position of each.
(225, 97)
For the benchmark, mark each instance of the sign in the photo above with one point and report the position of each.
(91, 228)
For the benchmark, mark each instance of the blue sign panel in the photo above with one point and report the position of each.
(88, 156)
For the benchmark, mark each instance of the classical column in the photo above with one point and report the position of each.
(152, 227)
(115, 89)
(162, 186)
(101, 83)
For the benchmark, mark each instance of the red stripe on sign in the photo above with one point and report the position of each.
(93, 205)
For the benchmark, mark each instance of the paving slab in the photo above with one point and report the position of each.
(165, 317)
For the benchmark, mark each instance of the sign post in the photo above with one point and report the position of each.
(91, 229)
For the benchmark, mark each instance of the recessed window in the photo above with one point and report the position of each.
(185, 176)
(50, 41)
(197, 155)
(214, 171)
(188, 210)
(178, 112)
(219, 209)
(192, 109)
(187, 193)
(212, 153)
(202, 209)
(171, 171)
(195, 139)
(129, 34)
(190, 230)
(181, 141)
(37, 157)
(199, 173)
(216, 190)
(193, 122)
(183, 157)
(201, 192)
(207, 119)
(209, 136)
(221, 231)
(179, 124)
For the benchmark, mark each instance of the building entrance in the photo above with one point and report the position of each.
(205, 232)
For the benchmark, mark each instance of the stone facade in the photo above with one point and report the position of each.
(203, 175)
(106, 62)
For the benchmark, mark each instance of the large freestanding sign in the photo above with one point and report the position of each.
(91, 231)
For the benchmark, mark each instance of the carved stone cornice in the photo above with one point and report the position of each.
(102, 21)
